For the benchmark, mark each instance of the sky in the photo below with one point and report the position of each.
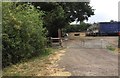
(105, 10)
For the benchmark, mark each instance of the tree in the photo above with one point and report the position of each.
(83, 26)
(55, 20)
(77, 10)
(60, 14)
(111, 20)
(77, 28)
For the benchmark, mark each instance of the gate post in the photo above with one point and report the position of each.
(119, 42)
(59, 33)
(59, 36)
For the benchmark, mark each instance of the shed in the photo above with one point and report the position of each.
(76, 35)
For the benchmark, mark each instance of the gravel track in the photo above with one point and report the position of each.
(94, 61)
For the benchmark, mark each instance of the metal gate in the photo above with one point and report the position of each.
(90, 43)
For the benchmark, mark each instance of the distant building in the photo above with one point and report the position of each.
(76, 35)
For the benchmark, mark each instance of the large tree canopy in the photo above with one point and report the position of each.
(75, 10)
(60, 14)
(78, 10)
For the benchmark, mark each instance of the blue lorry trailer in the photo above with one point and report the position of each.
(109, 28)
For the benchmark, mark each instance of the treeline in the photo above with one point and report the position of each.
(82, 27)
(26, 26)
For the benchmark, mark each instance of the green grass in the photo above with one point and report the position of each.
(110, 48)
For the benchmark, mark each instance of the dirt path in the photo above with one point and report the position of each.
(83, 61)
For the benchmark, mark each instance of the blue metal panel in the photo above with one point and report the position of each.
(119, 26)
(108, 27)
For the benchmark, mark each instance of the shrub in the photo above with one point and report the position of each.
(22, 34)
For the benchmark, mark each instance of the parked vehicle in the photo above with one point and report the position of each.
(104, 29)
(109, 28)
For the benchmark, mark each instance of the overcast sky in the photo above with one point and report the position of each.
(105, 10)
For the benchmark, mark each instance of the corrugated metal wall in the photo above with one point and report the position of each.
(109, 27)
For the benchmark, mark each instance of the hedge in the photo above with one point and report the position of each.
(22, 32)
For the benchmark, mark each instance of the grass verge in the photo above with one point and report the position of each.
(31, 67)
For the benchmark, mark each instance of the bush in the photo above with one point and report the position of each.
(22, 34)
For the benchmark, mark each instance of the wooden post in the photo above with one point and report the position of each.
(119, 42)
(59, 36)
(59, 33)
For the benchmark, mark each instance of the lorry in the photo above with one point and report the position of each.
(109, 28)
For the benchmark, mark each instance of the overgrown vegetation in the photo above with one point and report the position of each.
(23, 35)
